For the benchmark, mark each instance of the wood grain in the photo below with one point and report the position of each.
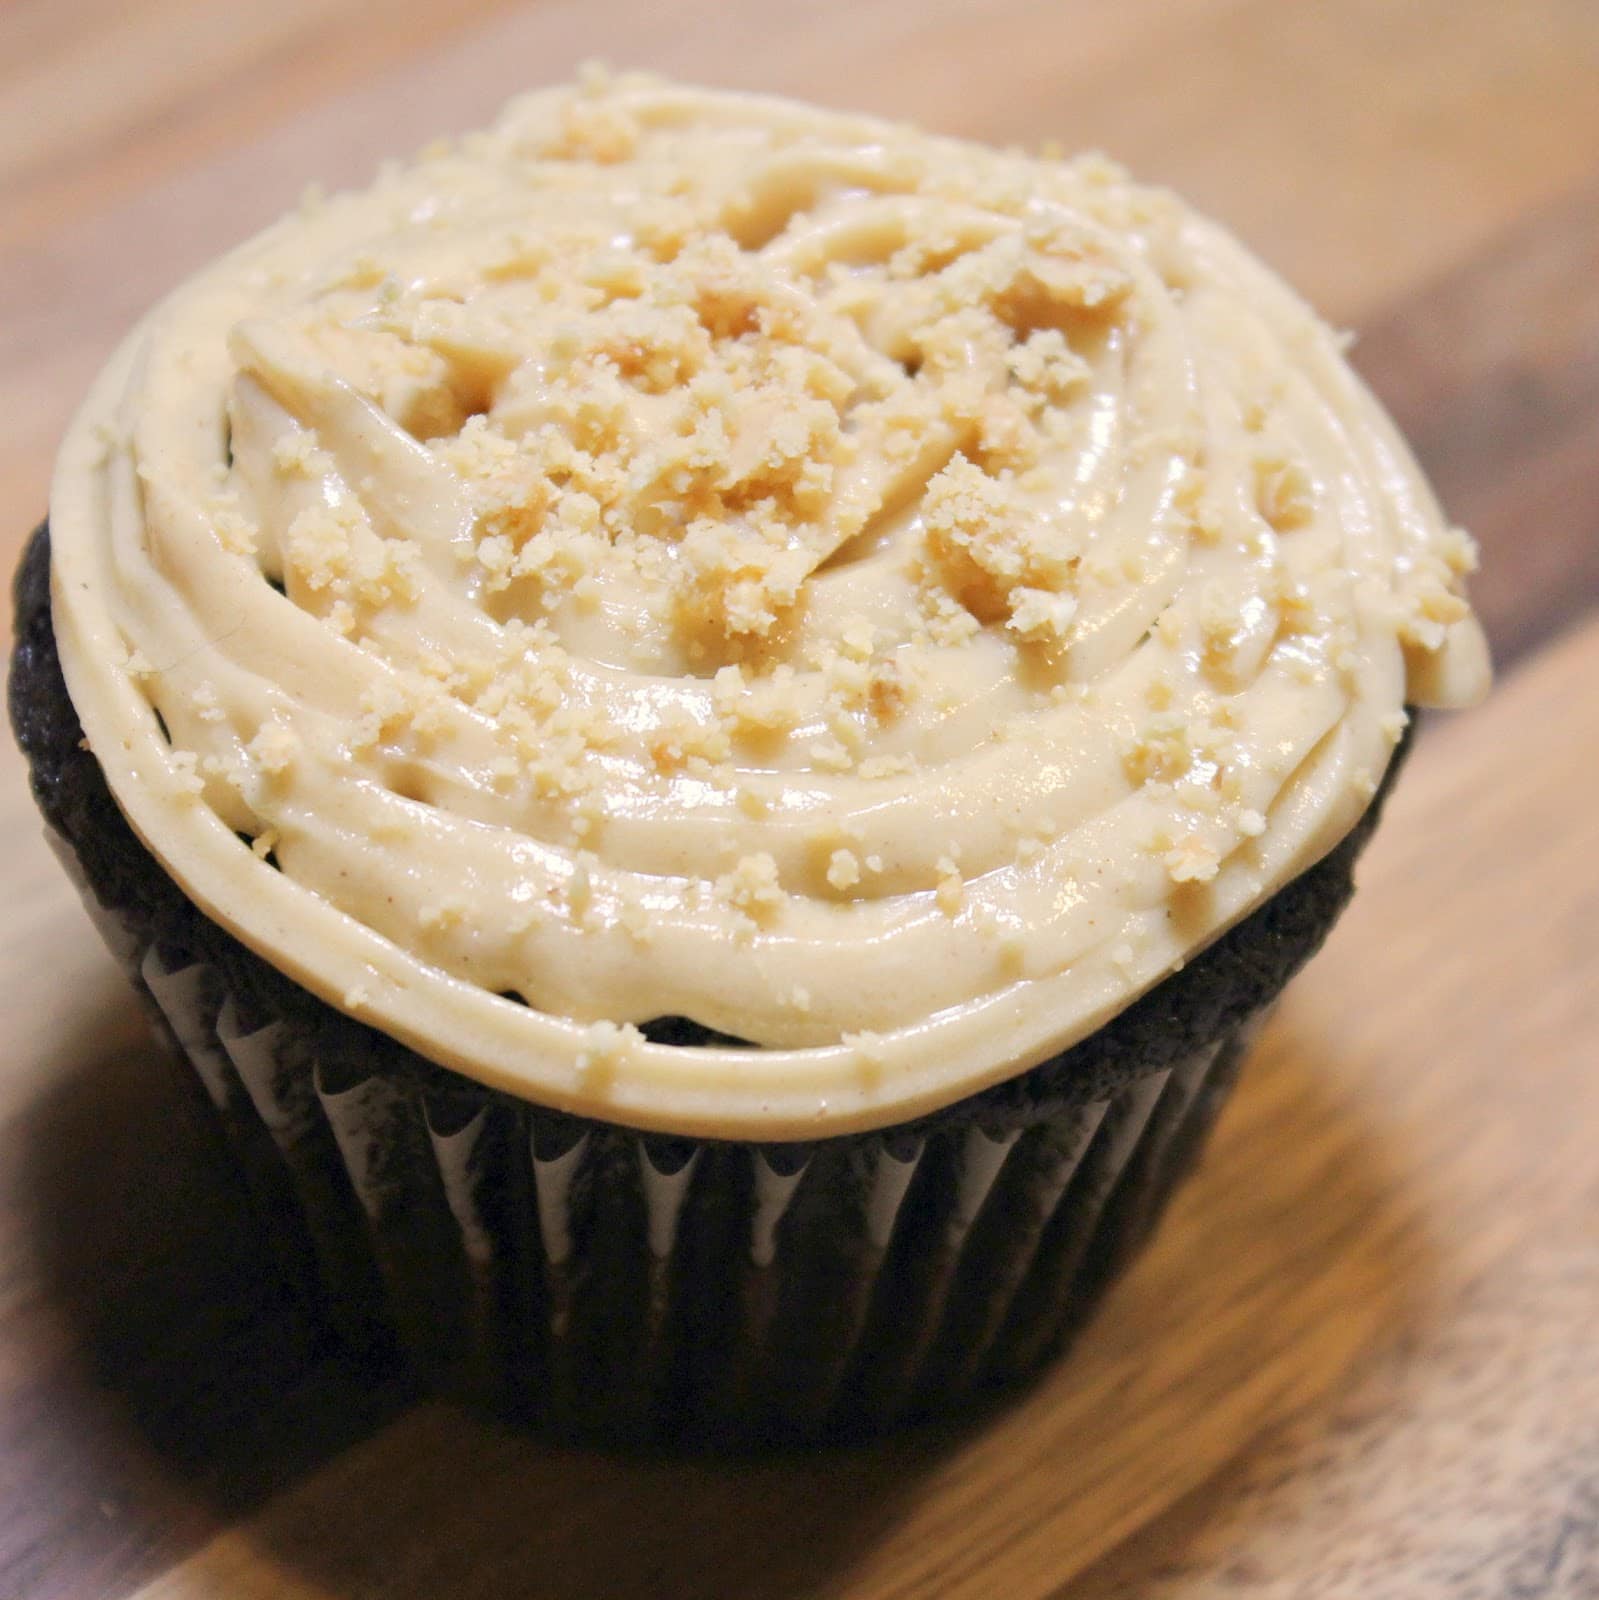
(1355, 1361)
(1493, 372)
(1465, 1463)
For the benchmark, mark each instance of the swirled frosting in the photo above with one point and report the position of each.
(682, 554)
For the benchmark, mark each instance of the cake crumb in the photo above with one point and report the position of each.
(273, 748)
(606, 1043)
(752, 886)
(951, 888)
(1039, 614)
(580, 886)
(1190, 860)
(843, 870)
(870, 1048)
(206, 705)
(636, 923)
(897, 765)
(439, 915)
(185, 774)
(753, 804)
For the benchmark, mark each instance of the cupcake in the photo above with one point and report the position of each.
(712, 724)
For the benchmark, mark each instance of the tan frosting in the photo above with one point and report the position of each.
(884, 599)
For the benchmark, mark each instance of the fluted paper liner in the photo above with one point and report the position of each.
(616, 1283)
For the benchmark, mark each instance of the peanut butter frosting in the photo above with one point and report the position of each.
(684, 554)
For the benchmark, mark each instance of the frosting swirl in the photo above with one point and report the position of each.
(684, 554)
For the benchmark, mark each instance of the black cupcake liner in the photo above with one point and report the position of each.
(606, 1282)
(616, 1283)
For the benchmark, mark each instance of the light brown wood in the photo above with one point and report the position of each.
(1357, 1360)
(1463, 1463)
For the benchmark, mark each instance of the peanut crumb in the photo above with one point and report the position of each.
(871, 1049)
(606, 1044)
(843, 870)
(752, 886)
(951, 888)
(273, 749)
(1191, 860)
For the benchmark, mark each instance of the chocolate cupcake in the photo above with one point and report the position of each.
(712, 724)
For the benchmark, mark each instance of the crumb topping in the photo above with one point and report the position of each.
(678, 554)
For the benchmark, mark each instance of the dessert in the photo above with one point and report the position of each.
(722, 717)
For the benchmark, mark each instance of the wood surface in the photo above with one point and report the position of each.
(1359, 1358)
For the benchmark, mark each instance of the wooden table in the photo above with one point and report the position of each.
(1360, 1359)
